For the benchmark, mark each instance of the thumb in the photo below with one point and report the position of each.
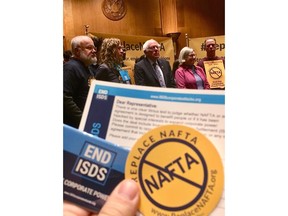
(123, 201)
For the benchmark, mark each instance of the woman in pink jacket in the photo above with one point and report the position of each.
(187, 74)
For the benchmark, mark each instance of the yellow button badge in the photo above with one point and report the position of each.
(179, 171)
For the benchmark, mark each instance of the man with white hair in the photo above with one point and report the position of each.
(152, 70)
(77, 79)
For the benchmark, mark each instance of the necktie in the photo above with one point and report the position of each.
(159, 75)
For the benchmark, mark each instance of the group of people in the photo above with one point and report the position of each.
(104, 62)
(152, 70)
(82, 67)
(187, 74)
(86, 62)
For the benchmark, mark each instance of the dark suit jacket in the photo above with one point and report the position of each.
(145, 75)
(107, 74)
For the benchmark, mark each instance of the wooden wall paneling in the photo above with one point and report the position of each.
(147, 17)
(142, 18)
(81, 15)
(168, 16)
(68, 22)
(198, 18)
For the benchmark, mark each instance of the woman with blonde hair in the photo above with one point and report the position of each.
(111, 59)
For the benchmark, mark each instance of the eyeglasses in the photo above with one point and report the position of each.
(154, 47)
(192, 55)
(90, 47)
(208, 45)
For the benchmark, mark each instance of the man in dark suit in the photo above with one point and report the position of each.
(152, 70)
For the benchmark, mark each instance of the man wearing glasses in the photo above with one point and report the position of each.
(77, 78)
(152, 70)
(210, 47)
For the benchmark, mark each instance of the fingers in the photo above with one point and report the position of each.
(70, 209)
(123, 201)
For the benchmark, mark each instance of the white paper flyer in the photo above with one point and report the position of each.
(122, 113)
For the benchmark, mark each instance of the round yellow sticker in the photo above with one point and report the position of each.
(179, 171)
